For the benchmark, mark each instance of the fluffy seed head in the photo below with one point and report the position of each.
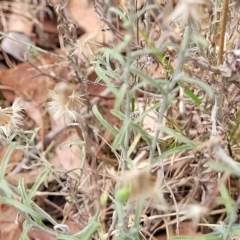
(65, 102)
(10, 118)
(187, 9)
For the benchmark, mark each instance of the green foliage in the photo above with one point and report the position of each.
(127, 64)
(122, 194)
(103, 121)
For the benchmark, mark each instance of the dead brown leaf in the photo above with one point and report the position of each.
(35, 233)
(10, 229)
(84, 14)
(27, 83)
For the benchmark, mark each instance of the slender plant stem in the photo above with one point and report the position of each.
(176, 77)
(127, 84)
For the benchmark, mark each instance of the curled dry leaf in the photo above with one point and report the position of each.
(85, 16)
(231, 64)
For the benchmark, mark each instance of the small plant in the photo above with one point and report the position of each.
(173, 156)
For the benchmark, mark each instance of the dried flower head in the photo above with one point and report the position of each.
(10, 118)
(144, 186)
(88, 46)
(65, 102)
(186, 10)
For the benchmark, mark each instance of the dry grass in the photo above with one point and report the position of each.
(173, 154)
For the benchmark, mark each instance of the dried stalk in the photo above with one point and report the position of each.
(223, 30)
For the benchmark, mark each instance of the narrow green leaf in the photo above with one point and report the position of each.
(44, 214)
(5, 189)
(118, 12)
(143, 133)
(21, 186)
(193, 96)
(118, 114)
(172, 151)
(107, 81)
(6, 158)
(158, 53)
(25, 229)
(41, 178)
(178, 128)
(202, 84)
(103, 121)
(120, 97)
(227, 201)
(146, 78)
(178, 136)
(120, 136)
(133, 145)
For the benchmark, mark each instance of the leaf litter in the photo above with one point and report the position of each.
(181, 191)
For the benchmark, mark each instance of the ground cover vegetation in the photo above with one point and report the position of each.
(119, 119)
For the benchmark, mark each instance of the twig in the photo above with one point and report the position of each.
(57, 79)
